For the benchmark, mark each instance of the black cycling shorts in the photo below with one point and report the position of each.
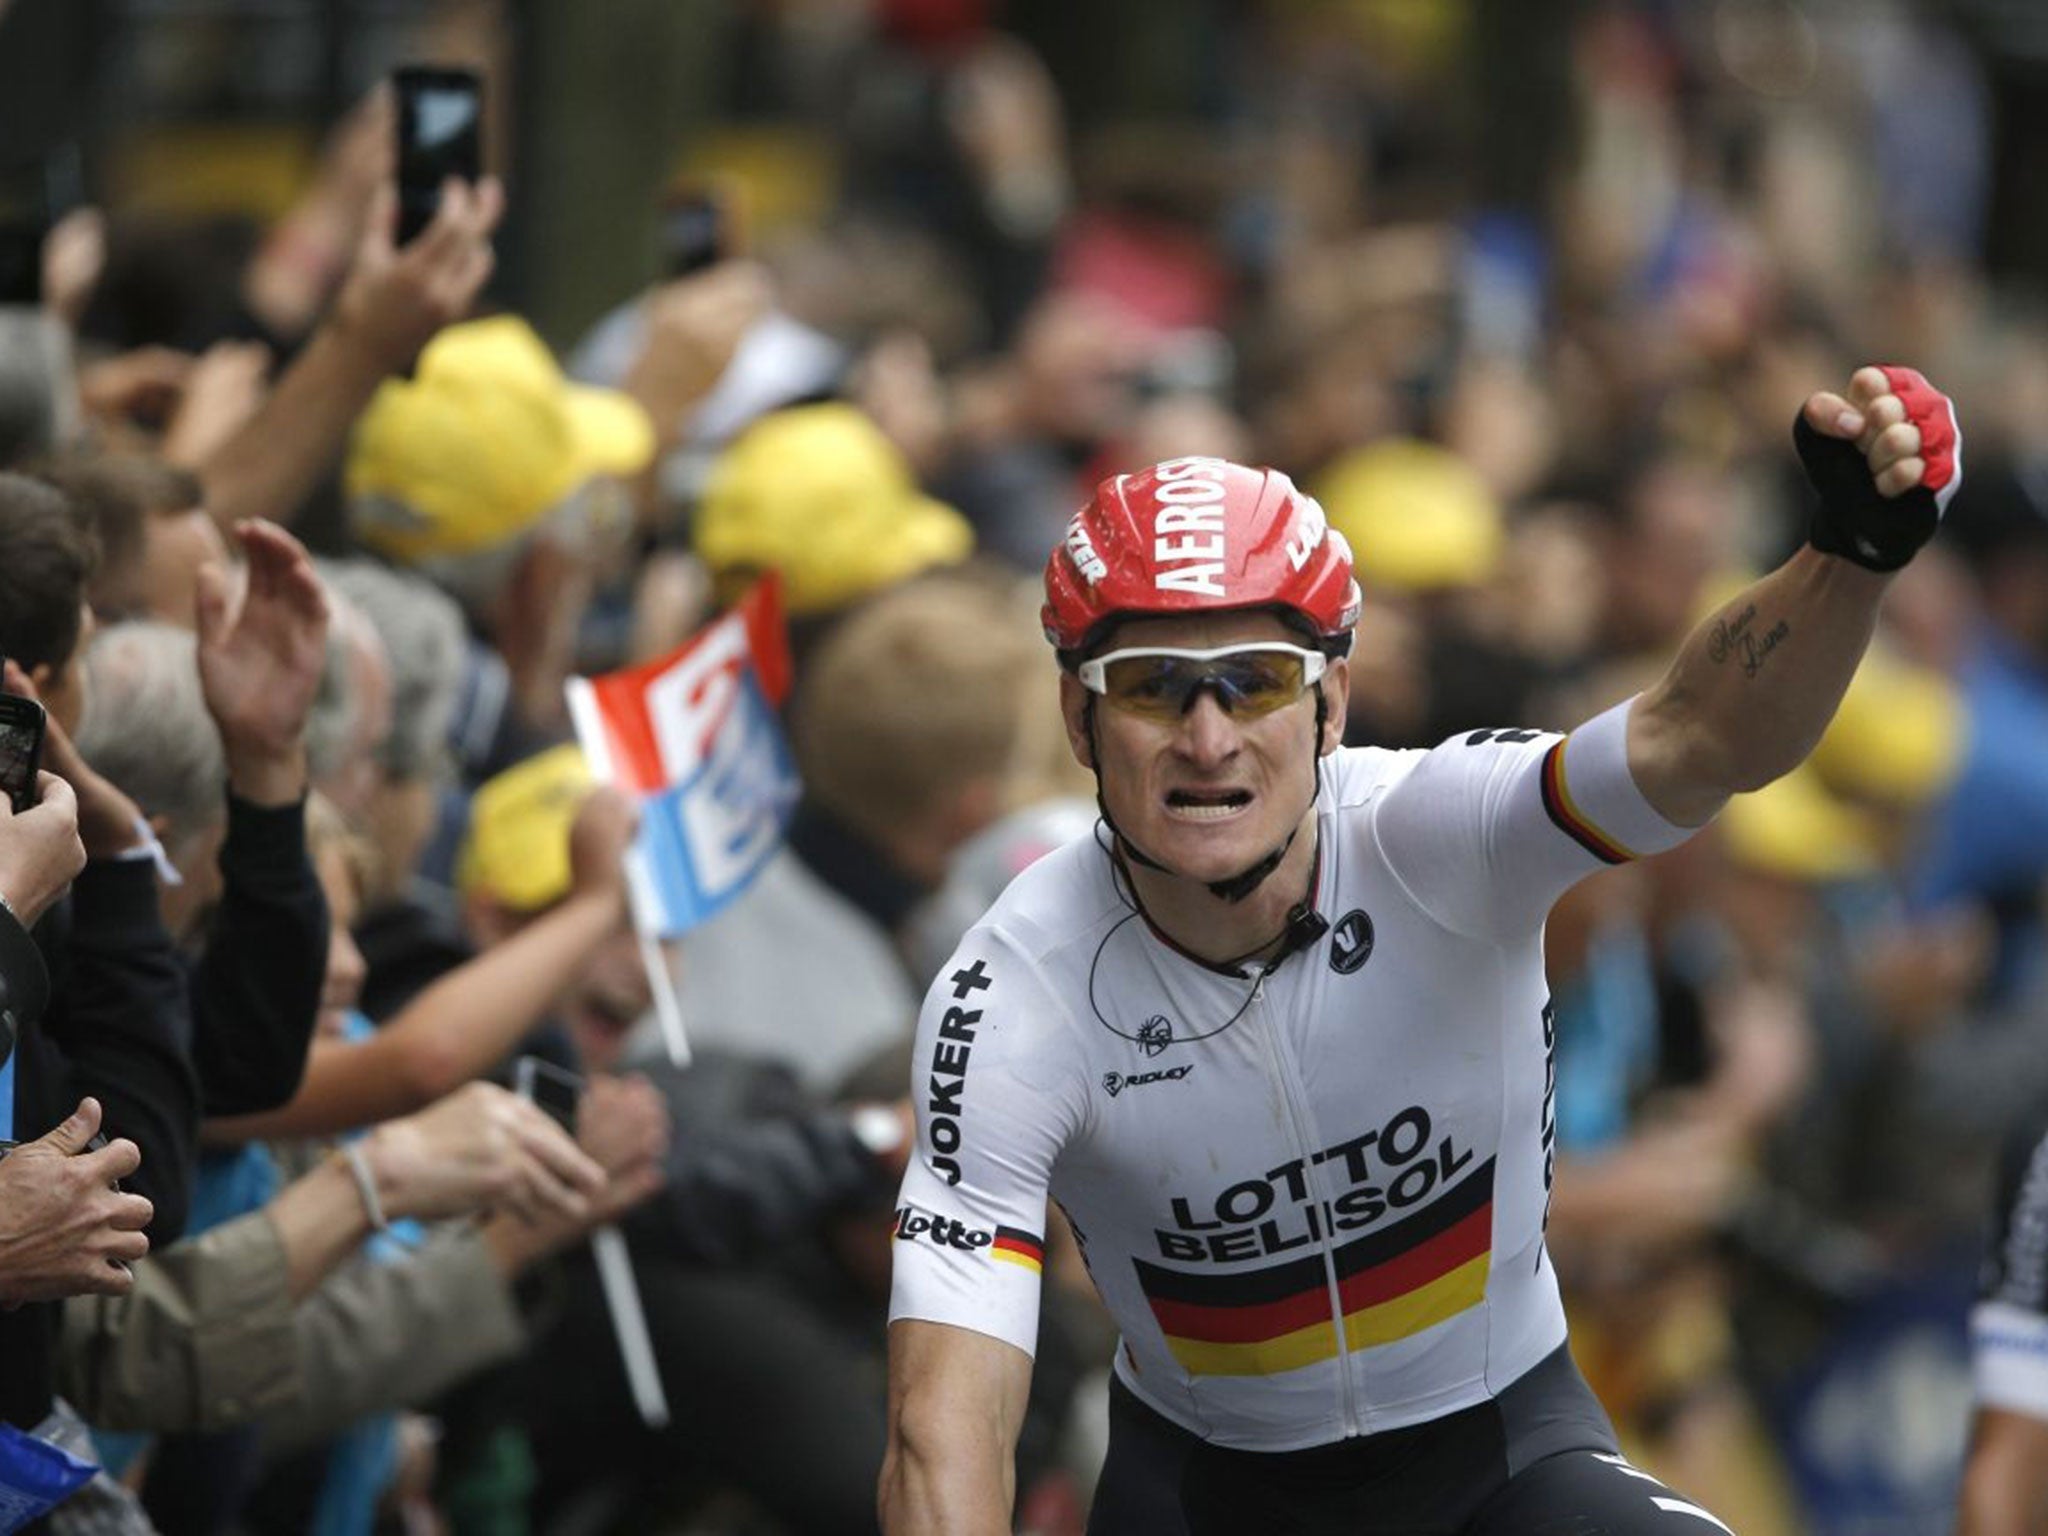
(1538, 1460)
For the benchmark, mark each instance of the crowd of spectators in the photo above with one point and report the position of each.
(311, 861)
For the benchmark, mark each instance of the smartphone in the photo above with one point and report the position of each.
(695, 232)
(555, 1090)
(440, 134)
(21, 749)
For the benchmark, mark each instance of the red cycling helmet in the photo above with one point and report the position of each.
(1198, 535)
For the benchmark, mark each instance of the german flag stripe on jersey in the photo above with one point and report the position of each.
(1013, 1245)
(1573, 822)
(1390, 1284)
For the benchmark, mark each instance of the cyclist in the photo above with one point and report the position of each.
(1277, 1040)
(2005, 1477)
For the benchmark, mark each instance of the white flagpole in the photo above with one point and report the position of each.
(629, 1325)
(661, 981)
(668, 1006)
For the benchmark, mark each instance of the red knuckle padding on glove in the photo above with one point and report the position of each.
(1929, 410)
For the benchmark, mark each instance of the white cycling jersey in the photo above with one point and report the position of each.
(2009, 1324)
(1314, 1199)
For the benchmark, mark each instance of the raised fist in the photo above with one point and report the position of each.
(1885, 463)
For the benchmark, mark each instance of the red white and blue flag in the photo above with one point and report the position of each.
(694, 734)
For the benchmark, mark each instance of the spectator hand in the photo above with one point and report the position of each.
(603, 831)
(1004, 112)
(1885, 462)
(261, 652)
(353, 163)
(40, 854)
(898, 384)
(478, 1148)
(395, 298)
(109, 823)
(64, 1229)
(622, 1122)
(293, 275)
(694, 326)
(74, 256)
(222, 391)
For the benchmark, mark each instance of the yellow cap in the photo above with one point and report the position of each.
(1796, 830)
(1897, 737)
(483, 440)
(517, 850)
(1417, 516)
(818, 493)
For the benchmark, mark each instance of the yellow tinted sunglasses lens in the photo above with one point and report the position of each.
(1247, 685)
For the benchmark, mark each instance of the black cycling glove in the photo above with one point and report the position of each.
(1881, 533)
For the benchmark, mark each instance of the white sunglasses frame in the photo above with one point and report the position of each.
(1094, 672)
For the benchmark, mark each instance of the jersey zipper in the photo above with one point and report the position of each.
(1305, 1146)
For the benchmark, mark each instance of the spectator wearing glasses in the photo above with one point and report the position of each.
(207, 734)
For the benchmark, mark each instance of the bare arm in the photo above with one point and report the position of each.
(956, 1403)
(459, 1028)
(394, 301)
(208, 1336)
(2005, 1479)
(480, 1149)
(467, 1022)
(694, 325)
(320, 1220)
(307, 251)
(1755, 685)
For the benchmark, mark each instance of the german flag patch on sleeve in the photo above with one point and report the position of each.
(1013, 1245)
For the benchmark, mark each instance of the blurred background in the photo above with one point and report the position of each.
(1527, 295)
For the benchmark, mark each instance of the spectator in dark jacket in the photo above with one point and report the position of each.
(173, 734)
(118, 1020)
(65, 1230)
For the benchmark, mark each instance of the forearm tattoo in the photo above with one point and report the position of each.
(1738, 640)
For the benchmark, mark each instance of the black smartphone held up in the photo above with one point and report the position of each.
(695, 231)
(555, 1090)
(440, 134)
(21, 749)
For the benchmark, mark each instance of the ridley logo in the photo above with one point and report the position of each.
(1115, 1083)
(1154, 1035)
(1081, 550)
(1351, 942)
